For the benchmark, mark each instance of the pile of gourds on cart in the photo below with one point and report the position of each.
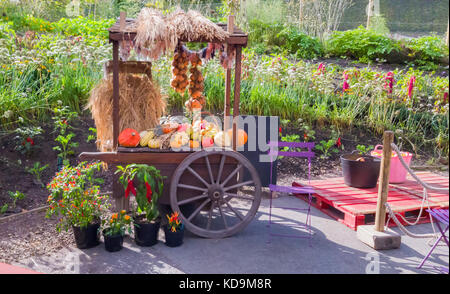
(199, 133)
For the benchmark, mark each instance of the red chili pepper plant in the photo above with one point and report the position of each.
(174, 222)
(75, 198)
(146, 183)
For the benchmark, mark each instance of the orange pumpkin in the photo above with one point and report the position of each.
(241, 137)
(169, 127)
(129, 138)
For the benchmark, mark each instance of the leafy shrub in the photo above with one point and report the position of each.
(265, 34)
(275, 37)
(21, 22)
(83, 26)
(428, 50)
(361, 44)
(300, 44)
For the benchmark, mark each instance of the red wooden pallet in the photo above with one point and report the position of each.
(354, 207)
(437, 197)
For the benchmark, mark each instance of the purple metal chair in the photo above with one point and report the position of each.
(274, 153)
(441, 216)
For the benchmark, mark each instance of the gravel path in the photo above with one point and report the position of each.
(31, 235)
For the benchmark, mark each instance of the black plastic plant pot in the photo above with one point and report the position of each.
(113, 243)
(360, 171)
(87, 237)
(174, 239)
(146, 233)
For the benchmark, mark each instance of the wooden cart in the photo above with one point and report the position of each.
(206, 187)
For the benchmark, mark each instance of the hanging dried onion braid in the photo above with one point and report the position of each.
(195, 79)
(180, 63)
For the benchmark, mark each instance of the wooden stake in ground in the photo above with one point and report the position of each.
(369, 13)
(383, 184)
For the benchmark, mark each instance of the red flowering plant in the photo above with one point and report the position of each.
(146, 184)
(75, 199)
(25, 139)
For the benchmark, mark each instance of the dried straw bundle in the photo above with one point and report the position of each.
(203, 28)
(182, 24)
(140, 103)
(153, 36)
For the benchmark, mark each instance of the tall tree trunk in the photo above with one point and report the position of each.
(300, 14)
(446, 37)
(369, 13)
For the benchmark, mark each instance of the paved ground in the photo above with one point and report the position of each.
(334, 249)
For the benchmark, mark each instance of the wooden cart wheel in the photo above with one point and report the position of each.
(216, 180)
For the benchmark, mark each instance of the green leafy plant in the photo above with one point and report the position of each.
(4, 208)
(75, 198)
(326, 147)
(117, 224)
(427, 51)
(61, 121)
(361, 44)
(363, 149)
(36, 171)
(299, 44)
(289, 138)
(16, 196)
(25, 139)
(146, 183)
(92, 136)
(66, 148)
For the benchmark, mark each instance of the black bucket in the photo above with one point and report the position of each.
(146, 234)
(174, 239)
(358, 173)
(113, 243)
(87, 237)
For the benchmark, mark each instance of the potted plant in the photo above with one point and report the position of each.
(359, 169)
(76, 201)
(114, 232)
(174, 231)
(146, 183)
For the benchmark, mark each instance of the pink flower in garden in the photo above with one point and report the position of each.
(345, 86)
(321, 69)
(412, 81)
(445, 97)
(390, 79)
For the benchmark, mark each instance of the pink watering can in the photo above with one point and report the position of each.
(398, 171)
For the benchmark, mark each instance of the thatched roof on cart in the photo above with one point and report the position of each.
(129, 31)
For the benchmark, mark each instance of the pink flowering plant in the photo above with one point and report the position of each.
(75, 198)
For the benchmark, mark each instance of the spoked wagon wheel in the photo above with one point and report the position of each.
(215, 184)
